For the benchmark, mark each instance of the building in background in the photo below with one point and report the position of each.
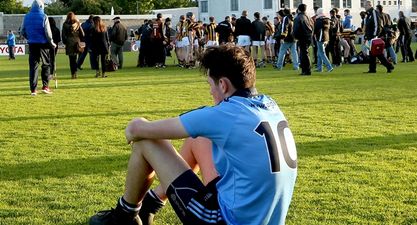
(221, 8)
(177, 12)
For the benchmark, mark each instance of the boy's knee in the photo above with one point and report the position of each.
(143, 145)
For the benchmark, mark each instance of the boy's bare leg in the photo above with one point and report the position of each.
(197, 153)
(255, 54)
(149, 156)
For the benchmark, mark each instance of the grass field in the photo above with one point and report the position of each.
(63, 156)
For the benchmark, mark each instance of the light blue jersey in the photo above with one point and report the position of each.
(254, 154)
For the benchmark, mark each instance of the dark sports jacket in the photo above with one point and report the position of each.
(118, 33)
(404, 26)
(258, 30)
(303, 28)
(243, 26)
(373, 24)
(224, 29)
(287, 29)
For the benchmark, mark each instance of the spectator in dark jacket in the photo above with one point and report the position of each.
(361, 32)
(258, 39)
(225, 30)
(321, 35)
(334, 38)
(373, 29)
(71, 37)
(56, 36)
(303, 32)
(118, 36)
(287, 41)
(313, 19)
(404, 26)
(145, 44)
(36, 29)
(387, 33)
(100, 45)
(243, 31)
(88, 28)
(277, 35)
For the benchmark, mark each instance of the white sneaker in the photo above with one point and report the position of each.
(33, 93)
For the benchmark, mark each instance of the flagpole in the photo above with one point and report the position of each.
(111, 15)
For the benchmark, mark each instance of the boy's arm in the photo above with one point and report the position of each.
(140, 128)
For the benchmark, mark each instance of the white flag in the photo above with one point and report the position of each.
(112, 11)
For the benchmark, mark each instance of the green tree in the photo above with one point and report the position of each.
(134, 6)
(98, 7)
(12, 7)
(166, 4)
(85, 7)
(56, 8)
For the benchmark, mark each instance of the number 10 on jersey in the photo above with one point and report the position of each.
(285, 141)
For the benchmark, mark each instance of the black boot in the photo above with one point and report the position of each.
(116, 216)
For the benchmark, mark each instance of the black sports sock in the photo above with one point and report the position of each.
(151, 204)
(128, 207)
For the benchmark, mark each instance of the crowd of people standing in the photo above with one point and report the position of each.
(285, 40)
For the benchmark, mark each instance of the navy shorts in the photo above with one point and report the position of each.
(194, 203)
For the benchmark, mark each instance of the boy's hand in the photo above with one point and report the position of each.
(133, 128)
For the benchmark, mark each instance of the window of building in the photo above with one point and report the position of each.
(362, 4)
(335, 3)
(204, 6)
(395, 2)
(389, 2)
(379, 3)
(234, 5)
(267, 4)
(284, 3)
(318, 3)
(414, 6)
(384, 3)
(297, 3)
(347, 3)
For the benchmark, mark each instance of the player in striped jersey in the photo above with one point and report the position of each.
(179, 43)
(189, 33)
(211, 34)
(270, 41)
(199, 41)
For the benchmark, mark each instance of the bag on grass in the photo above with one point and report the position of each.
(110, 64)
